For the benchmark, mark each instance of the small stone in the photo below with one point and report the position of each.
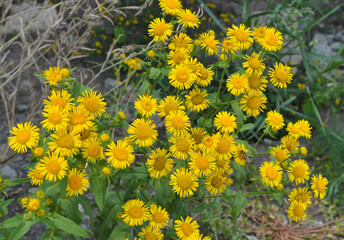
(317, 223)
(8, 172)
(338, 36)
(22, 107)
(320, 38)
(330, 37)
(251, 237)
(109, 83)
(322, 49)
(336, 46)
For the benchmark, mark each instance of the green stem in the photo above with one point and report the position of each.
(116, 187)
(3, 220)
(261, 153)
(218, 91)
(259, 140)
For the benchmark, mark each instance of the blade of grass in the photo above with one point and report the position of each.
(212, 15)
(316, 111)
(304, 56)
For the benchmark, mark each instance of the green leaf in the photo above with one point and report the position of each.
(85, 203)
(18, 181)
(246, 127)
(63, 186)
(200, 207)
(52, 188)
(144, 87)
(223, 64)
(119, 233)
(154, 72)
(68, 225)
(238, 113)
(212, 15)
(315, 109)
(70, 207)
(99, 187)
(119, 34)
(239, 202)
(39, 75)
(20, 230)
(12, 222)
(239, 173)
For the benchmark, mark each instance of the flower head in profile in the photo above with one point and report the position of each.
(25, 136)
(159, 29)
(135, 212)
(53, 75)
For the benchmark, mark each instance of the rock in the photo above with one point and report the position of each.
(330, 37)
(322, 49)
(8, 172)
(22, 107)
(338, 36)
(336, 46)
(317, 223)
(251, 237)
(319, 38)
(109, 83)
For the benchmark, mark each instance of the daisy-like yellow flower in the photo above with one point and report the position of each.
(159, 29)
(120, 154)
(298, 171)
(305, 129)
(197, 236)
(241, 36)
(184, 182)
(201, 164)
(318, 185)
(183, 145)
(293, 130)
(88, 133)
(225, 146)
(142, 132)
(92, 150)
(177, 122)
(280, 155)
(181, 77)
(171, 7)
(209, 43)
(240, 154)
(229, 46)
(55, 118)
(150, 232)
(79, 118)
(159, 163)
(66, 143)
(185, 228)
(38, 152)
(93, 102)
(254, 65)
(159, 217)
(237, 84)
(225, 122)
(176, 57)
(77, 182)
(53, 166)
(62, 99)
(215, 182)
(36, 176)
(301, 195)
(25, 136)
(181, 41)
(193, 65)
(271, 173)
(198, 134)
(204, 76)
(169, 104)
(253, 103)
(196, 100)
(296, 210)
(259, 33)
(290, 143)
(135, 212)
(256, 83)
(188, 18)
(272, 40)
(53, 75)
(65, 72)
(33, 204)
(280, 75)
(275, 120)
(146, 105)
(209, 144)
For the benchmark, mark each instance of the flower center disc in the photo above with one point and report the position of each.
(91, 105)
(184, 182)
(216, 182)
(240, 35)
(202, 163)
(281, 75)
(271, 173)
(135, 212)
(298, 172)
(53, 167)
(182, 76)
(182, 145)
(187, 229)
(160, 29)
(65, 141)
(160, 163)
(75, 182)
(55, 118)
(120, 154)
(254, 103)
(197, 99)
(143, 132)
(23, 136)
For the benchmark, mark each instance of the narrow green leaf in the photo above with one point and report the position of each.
(52, 188)
(68, 225)
(119, 232)
(20, 231)
(212, 15)
(246, 127)
(12, 222)
(315, 109)
(85, 203)
(18, 181)
(304, 57)
(239, 202)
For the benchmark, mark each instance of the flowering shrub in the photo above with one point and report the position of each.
(147, 183)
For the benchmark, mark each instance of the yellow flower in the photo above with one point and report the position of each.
(106, 171)
(241, 36)
(209, 144)
(169, 104)
(94, 103)
(280, 75)
(259, 33)
(65, 72)
(196, 100)
(197, 236)
(25, 136)
(40, 213)
(177, 122)
(120, 154)
(55, 118)
(305, 129)
(185, 228)
(272, 40)
(240, 154)
(184, 182)
(237, 83)
(290, 143)
(176, 57)
(92, 150)
(182, 145)
(197, 135)
(88, 133)
(62, 99)
(204, 76)
(77, 182)
(188, 18)
(318, 185)
(256, 83)
(181, 41)
(36, 176)
(53, 166)
(79, 118)
(300, 195)
(33, 205)
(146, 105)
(151, 54)
(150, 232)
(38, 152)
(159, 163)
(135, 212)
(271, 173)
(201, 164)
(293, 130)
(253, 103)
(104, 137)
(303, 151)
(296, 210)
(170, 7)
(275, 120)
(65, 143)
(298, 171)
(53, 75)
(229, 46)
(159, 217)
(159, 29)
(142, 132)
(280, 154)
(215, 182)
(225, 122)
(225, 146)
(254, 65)
(181, 77)
(209, 43)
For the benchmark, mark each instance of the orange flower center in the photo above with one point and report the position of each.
(223, 146)
(298, 211)
(254, 63)
(53, 167)
(241, 35)
(299, 172)
(120, 154)
(226, 121)
(182, 76)
(254, 82)
(271, 40)
(271, 173)
(320, 186)
(202, 163)
(187, 229)
(182, 145)
(172, 4)
(184, 182)
(75, 182)
(92, 105)
(216, 182)
(158, 217)
(159, 163)
(55, 118)
(254, 103)
(135, 212)
(38, 175)
(147, 105)
(197, 99)
(238, 83)
(160, 29)
(77, 119)
(210, 43)
(23, 136)
(65, 141)
(280, 75)
(178, 123)
(143, 132)
(94, 150)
